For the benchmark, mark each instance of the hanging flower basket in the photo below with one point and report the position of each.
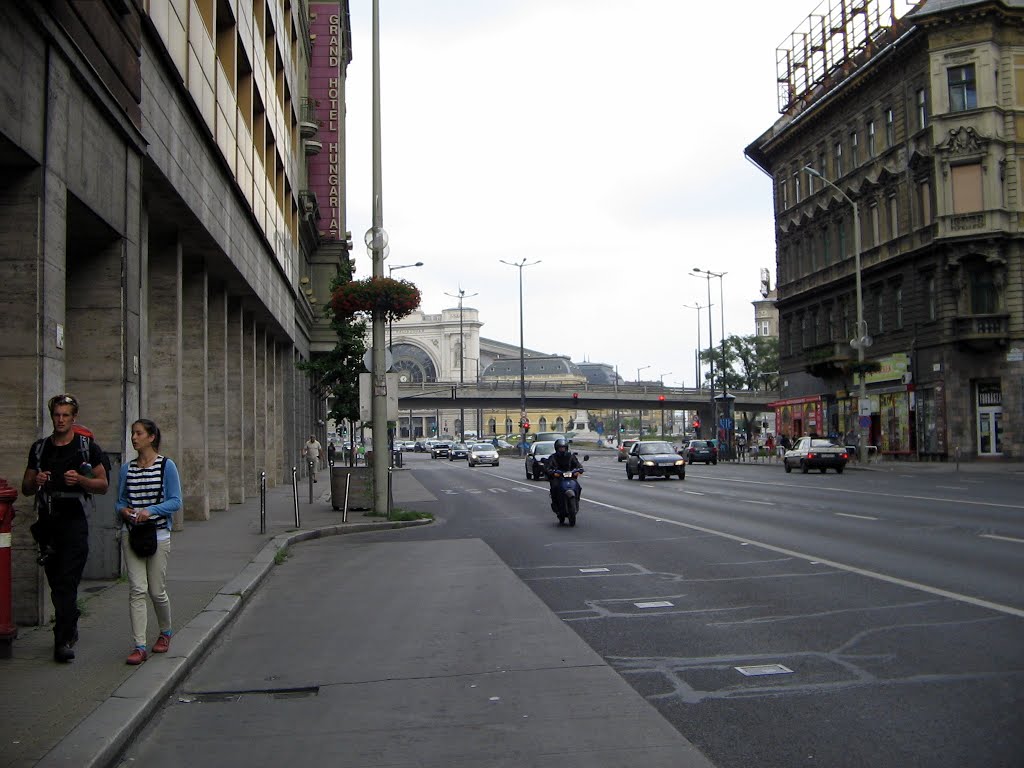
(380, 297)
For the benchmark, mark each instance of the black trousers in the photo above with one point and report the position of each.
(69, 537)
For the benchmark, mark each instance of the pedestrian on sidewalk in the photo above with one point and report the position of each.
(312, 453)
(332, 452)
(64, 470)
(149, 489)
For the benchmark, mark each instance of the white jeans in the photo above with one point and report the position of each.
(147, 574)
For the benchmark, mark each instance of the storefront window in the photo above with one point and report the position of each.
(895, 422)
(931, 427)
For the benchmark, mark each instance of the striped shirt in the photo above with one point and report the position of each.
(145, 486)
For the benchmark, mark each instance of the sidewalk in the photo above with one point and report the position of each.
(82, 713)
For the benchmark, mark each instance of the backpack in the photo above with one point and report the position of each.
(85, 437)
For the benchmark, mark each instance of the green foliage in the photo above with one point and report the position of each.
(281, 555)
(337, 372)
(751, 363)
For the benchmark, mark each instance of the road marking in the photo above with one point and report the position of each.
(1001, 538)
(655, 604)
(1007, 609)
(594, 570)
(859, 517)
(952, 487)
(695, 493)
(755, 501)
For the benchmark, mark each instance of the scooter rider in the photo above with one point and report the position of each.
(561, 460)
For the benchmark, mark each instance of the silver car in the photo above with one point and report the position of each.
(483, 453)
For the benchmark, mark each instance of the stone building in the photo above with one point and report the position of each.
(161, 247)
(915, 123)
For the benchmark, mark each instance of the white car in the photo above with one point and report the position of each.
(483, 453)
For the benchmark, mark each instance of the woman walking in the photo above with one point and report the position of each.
(148, 490)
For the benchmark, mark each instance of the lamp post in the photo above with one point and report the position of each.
(698, 307)
(862, 339)
(462, 357)
(522, 353)
(390, 271)
(662, 377)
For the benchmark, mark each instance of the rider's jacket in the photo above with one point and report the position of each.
(562, 462)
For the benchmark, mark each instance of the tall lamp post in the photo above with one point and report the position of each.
(698, 307)
(390, 271)
(862, 340)
(462, 358)
(522, 352)
(661, 402)
(711, 359)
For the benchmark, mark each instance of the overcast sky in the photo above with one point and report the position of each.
(604, 139)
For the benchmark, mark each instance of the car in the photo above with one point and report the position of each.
(537, 458)
(624, 448)
(483, 453)
(500, 444)
(654, 458)
(440, 449)
(816, 453)
(701, 450)
(545, 437)
(458, 451)
(406, 445)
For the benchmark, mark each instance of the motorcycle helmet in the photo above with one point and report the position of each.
(561, 443)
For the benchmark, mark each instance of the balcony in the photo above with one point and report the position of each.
(309, 124)
(827, 359)
(312, 147)
(982, 332)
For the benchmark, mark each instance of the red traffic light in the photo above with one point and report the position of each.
(575, 395)
(661, 397)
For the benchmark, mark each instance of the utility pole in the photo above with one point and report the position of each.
(462, 359)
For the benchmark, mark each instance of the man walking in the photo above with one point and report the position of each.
(312, 454)
(64, 470)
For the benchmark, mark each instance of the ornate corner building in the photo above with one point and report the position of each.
(167, 239)
(913, 113)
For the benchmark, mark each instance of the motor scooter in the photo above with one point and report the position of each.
(566, 495)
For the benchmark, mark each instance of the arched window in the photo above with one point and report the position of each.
(492, 426)
(559, 425)
(508, 426)
(413, 364)
(542, 426)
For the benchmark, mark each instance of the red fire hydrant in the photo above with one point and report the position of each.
(7, 629)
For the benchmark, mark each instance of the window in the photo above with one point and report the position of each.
(930, 299)
(838, 159)
(783, 195)
(963, 94)
(796, 186)
(966, 188)
(922, 108)
(898, 301)
(984, 295)
(894, 223)
(890, 128)
(822, 166)
(765, 329)
(826, 246)
(830, 331)
(880, 310)
(874, 224)
(844, 315)
(803, 331)
(854, 147)
(926, 202)
(871, 138)
(841, 231)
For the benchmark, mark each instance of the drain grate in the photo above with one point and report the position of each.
(226, 697)
(764, 669)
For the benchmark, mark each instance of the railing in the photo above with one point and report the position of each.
(983, 327)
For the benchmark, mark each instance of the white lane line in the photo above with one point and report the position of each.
(952, 487)
(755, 501)
(1007, 609)
(859, 517)
(695, 493)
(1001, 538)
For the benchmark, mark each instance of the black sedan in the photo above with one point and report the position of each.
(537, 458)
(458, 451)
(815, 453)
(654, 459)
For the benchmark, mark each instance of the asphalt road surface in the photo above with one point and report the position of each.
(776, 620)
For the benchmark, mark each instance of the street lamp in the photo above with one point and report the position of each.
(640, 411)
(862, 339)
(698, 307)
(522, 353)
(638, 372)
(462, 357)
(662, 377)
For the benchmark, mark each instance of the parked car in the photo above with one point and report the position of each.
(537, 458)
(624, 448)
(406, 445)
(483, 453)
(458, 451)
(816, 453)
(501, 444)
(654, 458)
(440, 449)
(544, 437)
(701, 450)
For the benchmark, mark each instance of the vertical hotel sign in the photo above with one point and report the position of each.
(325, 25)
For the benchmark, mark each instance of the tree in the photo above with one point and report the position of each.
(337, 372)
(751, 363)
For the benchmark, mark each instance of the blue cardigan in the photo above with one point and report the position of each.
(172, 491)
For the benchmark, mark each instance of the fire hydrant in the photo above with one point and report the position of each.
(7, 629)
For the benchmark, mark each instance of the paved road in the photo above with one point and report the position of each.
(889, 607)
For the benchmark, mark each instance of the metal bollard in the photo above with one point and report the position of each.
(956, 452)
(263, 502)
(391, 501)
(344, 513)
(295, 493)
(310, 481)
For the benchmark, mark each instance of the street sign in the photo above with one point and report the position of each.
(865, 422)
(865, 406)
(725, 423)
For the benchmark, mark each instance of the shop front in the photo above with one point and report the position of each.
(799, 416)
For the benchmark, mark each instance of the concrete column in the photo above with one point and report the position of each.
(216, 387)
(260, 393)
(195, 417)
(281, 356)
(288, 392)
(250, 473)
(236, 412)
(273, 428)
(164, 380)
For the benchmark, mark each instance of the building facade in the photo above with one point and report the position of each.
(913, 126)
(158, 241)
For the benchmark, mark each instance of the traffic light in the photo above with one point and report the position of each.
(661, 398)
(575, 398)
(696, 422)
(526, 425)
(622, 427)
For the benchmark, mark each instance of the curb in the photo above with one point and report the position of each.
(99, 739)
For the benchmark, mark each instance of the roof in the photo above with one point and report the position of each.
(548, 365)
(939, 6)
